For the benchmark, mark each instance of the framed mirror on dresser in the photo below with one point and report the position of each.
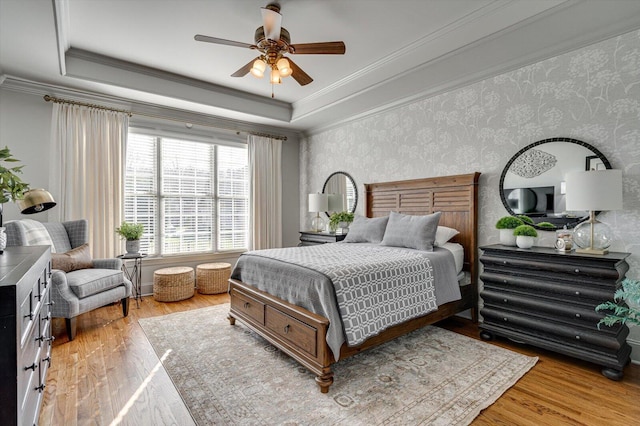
(533, 180)
(342, 191)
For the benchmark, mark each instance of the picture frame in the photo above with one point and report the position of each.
(593, 162)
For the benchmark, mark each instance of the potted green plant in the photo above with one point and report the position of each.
(546, 226)
(132, 232)
(525, 236)
(525, 219)
(340, 220)
(12, 187)
(506, 225)
(620, 312)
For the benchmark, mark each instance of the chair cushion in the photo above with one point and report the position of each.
(87, 282)
(78, 258)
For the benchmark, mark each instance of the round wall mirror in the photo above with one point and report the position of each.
(532, 182)
(343, 193)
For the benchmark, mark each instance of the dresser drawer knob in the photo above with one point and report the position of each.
(505, 262)
(577, 293)
(246, 305)
(505, 281)
(49, 339)
(51, 303)
(577, 271)
(30, 315)
(577, 337)
(578, 315)
(47, 318)
(40, 388)
(48, 359)
(286, 329)
(506, 319)
(505, 300)
(31, 367)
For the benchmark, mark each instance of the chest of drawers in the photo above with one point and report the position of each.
(547, 299)
(25, 332)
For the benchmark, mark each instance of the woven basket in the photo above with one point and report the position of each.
(173, 284)
(212, 278)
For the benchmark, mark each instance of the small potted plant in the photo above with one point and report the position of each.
(506, 225)
(619, 312)
(132, 232)
(525, 219)
(525, 236)
(12, 187)
(340, 220)
(546, 226)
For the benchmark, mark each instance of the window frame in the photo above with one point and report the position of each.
(160, 197)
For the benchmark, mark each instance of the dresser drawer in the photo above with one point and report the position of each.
(574, 313)
(247, 305)
(580, 293)
(26, 316)
(301, 335)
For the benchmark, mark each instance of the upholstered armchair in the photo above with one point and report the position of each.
(88, 284)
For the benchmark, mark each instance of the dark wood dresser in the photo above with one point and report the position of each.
(25, 332)
(309, 238)
(546, 298)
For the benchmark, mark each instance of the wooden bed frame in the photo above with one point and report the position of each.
(302, 334)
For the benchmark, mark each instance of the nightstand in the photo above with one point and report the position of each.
(310, 238)
(547, 299)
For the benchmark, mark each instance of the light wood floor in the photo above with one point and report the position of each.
(110, 375)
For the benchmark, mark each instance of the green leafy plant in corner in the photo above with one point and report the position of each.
(338, 217)
(525, 219)
(508, 222)
(130, 231)
(619, 312)
(11, 186)
(525, 231)
(546, 225)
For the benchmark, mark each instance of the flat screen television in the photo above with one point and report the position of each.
(533, 202)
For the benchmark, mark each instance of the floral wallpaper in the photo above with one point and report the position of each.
(591, 94)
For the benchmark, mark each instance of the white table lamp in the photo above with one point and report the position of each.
(594, 190)
(318, 203)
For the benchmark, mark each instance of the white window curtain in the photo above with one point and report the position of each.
(87, 169)
(265, 192)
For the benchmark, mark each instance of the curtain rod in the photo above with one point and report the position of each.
(66, 101)
(129, 113)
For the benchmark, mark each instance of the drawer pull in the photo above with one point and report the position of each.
(506, 319)
(577, 293)
(49, 339)
(286, 329)
(48, 359)
(505, 300)
(578, 315)
(577, 271)
(30, 316)
(51, 303)
(577, 337)
(246, 305)
(505, 262)
(39, 296)
(505, 281)
(40, 388)
(47, 318)
(31, 367)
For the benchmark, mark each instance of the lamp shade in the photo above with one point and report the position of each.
(318, 202)
(336, 203)
(35, 201)
(594, 190)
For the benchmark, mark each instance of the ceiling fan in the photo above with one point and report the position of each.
(273, 41)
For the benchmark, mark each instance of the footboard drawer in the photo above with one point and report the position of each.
(302, 335)
(247, 305)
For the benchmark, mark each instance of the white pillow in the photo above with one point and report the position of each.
(444, 234)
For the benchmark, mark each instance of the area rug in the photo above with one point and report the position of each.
(230, 375)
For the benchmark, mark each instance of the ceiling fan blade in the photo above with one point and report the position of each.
(325, 48)
(216, 40)
(271, 22)
(298, 75)
(245, 69)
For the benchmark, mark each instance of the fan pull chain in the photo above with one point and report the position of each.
(272, 95)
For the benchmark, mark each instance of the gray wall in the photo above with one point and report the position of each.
(592, 94)
(25, 123)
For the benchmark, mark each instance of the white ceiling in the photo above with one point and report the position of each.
(144, 51)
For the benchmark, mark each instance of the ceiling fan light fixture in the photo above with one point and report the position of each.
(258, 68)
(275, 76)
(284, 68)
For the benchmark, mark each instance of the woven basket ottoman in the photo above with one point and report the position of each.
(212, 278)
(173, 284)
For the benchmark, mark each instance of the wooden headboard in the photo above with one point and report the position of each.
(455, 196)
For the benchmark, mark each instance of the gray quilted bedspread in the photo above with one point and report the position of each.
(374, 287)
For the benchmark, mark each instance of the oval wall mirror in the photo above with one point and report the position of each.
(532, 182)
(343, 192)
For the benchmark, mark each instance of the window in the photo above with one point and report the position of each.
(191, 196)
